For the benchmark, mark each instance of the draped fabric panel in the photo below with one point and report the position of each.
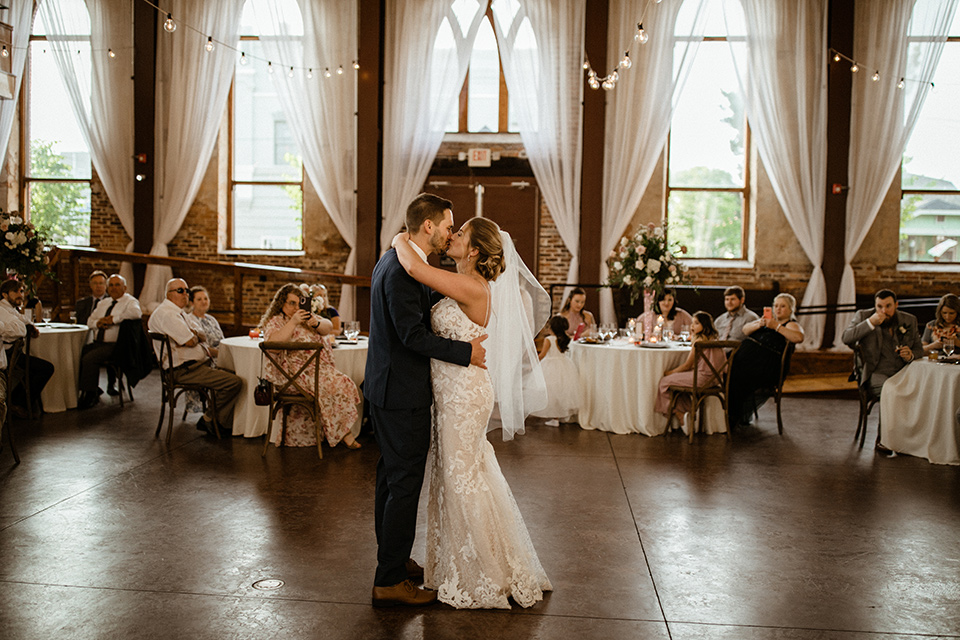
(782, 73)
(427, 53)
(192, 88)
(903, 39)
(20, 17)
(638, 121)
(541, 48)
(320, 110)
(100, 88)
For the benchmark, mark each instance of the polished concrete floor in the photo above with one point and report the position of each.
(106, 532)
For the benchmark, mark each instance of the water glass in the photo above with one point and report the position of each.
(351, 330)
(47, 315)
(73, 317)
(949, 346)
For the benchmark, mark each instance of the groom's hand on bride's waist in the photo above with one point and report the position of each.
(478, 355)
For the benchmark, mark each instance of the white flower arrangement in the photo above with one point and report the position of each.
(644, 261)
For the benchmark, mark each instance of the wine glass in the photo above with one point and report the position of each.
(47, 315)
(351, 329)
(949, 346)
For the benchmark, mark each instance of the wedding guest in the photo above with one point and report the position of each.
(701, 328)
(98, 291)
(730, 324)
(3, 381)
(15, 325)
(105, 323)
(888, 339)
(208, 326)
(285, 321)
(560, 374)
(574, 312)
(756, 364)
(943, 325)
(322, 308)
(674, 318)
(191, 362)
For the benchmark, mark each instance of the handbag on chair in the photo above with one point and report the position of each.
(261, 395)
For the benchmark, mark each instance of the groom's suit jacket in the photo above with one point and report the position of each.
(401, 343)
(861, 331)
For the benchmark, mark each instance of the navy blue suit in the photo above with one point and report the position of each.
(397, 387)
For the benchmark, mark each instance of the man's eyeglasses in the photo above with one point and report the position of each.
(178, 290)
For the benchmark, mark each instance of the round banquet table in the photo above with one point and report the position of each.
(618, 387)
(241, 355)
(60, 344)
(919, 410)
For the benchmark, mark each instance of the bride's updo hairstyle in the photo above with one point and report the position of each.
(485, 238)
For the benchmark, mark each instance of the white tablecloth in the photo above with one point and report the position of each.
(618, 388)
(242, 356)
(60, 344)
(918, 409)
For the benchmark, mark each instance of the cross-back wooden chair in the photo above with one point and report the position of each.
(778, 389)
(865, 395)
(171, 390)
(10, 377)
(717, 386)
(291, 391)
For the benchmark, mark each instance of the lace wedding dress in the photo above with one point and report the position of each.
(479, 552)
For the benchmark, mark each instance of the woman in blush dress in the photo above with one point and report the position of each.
(479, 552)
(674, 318)
(574, 312)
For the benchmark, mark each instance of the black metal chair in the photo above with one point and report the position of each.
(865, 395)
(778, 389)
(290, 392)
(717, 386)
(171, 390)
(11, 379)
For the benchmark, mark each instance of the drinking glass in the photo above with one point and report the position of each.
(351, 329)
(73, 317)
(47, 315)
(949, 346)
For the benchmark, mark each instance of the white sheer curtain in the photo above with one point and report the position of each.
(638, 120)
(427, 53)
(192, 88)
(20, 17)
(783, 76)
(901, 39)
(320, 36)
(100, 88)
(541, 48)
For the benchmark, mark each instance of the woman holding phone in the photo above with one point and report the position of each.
(757, 362)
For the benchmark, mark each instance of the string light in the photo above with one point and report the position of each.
(269, 67)
(836, 57)
(854, 68)
(290, 73)
(625, 61)
(326, 73)
(876, 76)
(356, 65)
(243, 58)
(586, 65)
(641, 36)
(169, 25)
(340, 70)
(4, 52)
(900, 84)
(209, 45)
(309, 74)
(111, 53)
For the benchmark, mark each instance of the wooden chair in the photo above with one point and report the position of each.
(14, 354)
(865, 395)
(171, 389)
(717, 386)
(778, 389)
(291, 392)
(25, 354)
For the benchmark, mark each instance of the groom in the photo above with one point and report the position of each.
(397, 388)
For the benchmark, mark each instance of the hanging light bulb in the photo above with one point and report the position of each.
(608, 84)
(4, 52)
(340, 70)
(854, 68)
(900, 84)
(209, 45)
(109, 52)
(876, 76)
(290, 73)
(625, 61)
(586, 65)
(269, 67)
(593, 82)
(309, 73)
(836, 57)
(326, 73)
(243, 58)
(641, 36)
(591, 74)
(169, 25)
(615, 76)
(356, 65)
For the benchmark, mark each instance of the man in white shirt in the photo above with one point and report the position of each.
(15, 326)
(191, 362)
(730, 324)
(105, 322)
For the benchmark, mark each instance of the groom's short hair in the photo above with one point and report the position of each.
(426, 206)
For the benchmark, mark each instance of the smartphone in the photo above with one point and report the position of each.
(305, 303)
(767, 313)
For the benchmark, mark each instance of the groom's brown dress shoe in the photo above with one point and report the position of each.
(414, 570)
(404, 593)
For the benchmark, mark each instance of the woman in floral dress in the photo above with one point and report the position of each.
(285, 321)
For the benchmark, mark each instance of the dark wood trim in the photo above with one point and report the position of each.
(591, 175)
(144, 98)
(839, 84)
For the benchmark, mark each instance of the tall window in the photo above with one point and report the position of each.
(266, 194)
(930, 177)
(58, 171)
(707, 172)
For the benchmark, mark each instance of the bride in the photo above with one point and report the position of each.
(479, 552)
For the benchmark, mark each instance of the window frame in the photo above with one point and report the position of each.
(503, 116)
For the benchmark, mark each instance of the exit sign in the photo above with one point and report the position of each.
(478, 158)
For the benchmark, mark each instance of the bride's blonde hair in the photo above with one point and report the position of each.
(485, 238)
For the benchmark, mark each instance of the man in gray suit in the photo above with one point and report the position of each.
(888, 339)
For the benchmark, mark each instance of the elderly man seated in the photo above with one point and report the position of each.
(730, 324)
(15, 326)
(191, 362)
(105, 321)
(888, 339)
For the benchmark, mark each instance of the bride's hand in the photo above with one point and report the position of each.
(400, 237)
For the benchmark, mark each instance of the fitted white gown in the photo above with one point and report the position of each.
(479, 552)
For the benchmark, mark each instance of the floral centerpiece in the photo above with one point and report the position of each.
(645, 262)
(21, 247)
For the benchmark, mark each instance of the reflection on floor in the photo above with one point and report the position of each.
(105, 532)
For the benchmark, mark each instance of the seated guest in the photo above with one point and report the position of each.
(191, 362)
(574, 313)
(944, 324)
(888, 339)
(98, 292)
(756, 364)
(674, 318)
(285, 321)
(105, 321)
(3, 382)
(730, 324)
(701, 328)
(15, 326)
(322, 308)
(210, 329)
